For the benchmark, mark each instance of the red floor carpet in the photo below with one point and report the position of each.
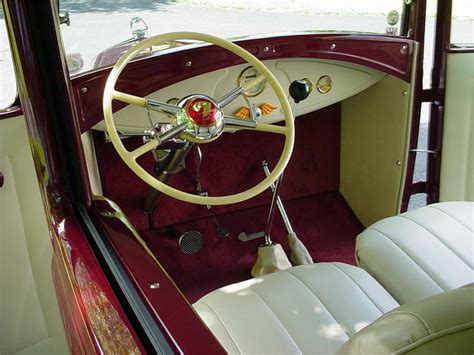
(323, 222)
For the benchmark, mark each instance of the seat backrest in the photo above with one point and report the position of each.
(441, 324)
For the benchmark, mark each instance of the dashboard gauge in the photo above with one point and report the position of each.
(324, 84)
(248, 74)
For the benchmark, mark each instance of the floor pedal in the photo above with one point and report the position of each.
(245, 237)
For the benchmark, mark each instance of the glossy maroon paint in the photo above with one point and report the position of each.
(169, 307)
(70, 247)
(144, 76)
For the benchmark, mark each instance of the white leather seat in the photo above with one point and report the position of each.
(306, 309)
(422, 252)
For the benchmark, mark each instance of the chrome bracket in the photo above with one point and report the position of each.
(426, 151)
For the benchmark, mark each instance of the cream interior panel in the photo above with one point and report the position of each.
(457, 159)
(374, 143)
(348, 80)
(29, 315)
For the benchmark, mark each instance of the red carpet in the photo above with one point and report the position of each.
(319, 214)
(327, 227)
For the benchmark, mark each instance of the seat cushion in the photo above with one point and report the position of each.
(422, 252)
(304, 309)
(440, 324)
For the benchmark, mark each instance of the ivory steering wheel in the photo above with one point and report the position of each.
(197, 118)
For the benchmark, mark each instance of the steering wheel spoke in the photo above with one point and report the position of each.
(239, 122)
(153, 105)
(165, 108)
(255, 81)
(262, 127)
(129, 99)
(145, 148)
(235, 93)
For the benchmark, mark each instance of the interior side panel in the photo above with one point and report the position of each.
(28, 300)
(457, 162)
(374, 130)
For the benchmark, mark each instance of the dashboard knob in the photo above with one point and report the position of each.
(300, 89)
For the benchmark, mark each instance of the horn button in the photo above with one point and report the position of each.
(205, 118)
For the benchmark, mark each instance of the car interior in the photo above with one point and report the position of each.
(266, 178)
(344, 135)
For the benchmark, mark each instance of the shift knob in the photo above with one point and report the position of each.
(300, 89)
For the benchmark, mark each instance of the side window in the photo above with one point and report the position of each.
(8, 88)
(462, 23)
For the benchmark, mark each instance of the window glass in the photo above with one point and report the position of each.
(98, 25)
(7, 74)
(462, 23)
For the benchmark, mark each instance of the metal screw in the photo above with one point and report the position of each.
(399, 163)
(266, 49)
(333, 46)
(84, 90)
(189, 63)
(404, 49)
(154, 285)
(404, 93)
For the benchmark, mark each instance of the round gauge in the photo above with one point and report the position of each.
(324, 84)
(248, 74)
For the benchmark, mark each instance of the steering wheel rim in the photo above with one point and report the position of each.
(130, 159)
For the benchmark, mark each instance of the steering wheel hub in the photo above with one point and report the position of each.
(203, 112)
(206, 119)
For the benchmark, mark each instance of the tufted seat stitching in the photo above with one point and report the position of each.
(222, 322)
(437, 238)
(355, 283)
(450, 215)
(316, 296)
(406, 253)
(275, 316)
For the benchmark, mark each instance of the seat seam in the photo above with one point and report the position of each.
(414, 315)
(452, 217)
(408, 255)
(220, 320)
(435, 336)
(360, 288)
(437, 238)
(276, 317)
(319, 300)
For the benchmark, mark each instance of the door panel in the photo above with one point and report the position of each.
(457, 162)
(31, 322)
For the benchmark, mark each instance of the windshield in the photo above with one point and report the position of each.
(97, 25)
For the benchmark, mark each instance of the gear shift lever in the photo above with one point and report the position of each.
(271, 257)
